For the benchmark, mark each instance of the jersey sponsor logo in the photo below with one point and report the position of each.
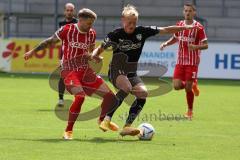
(123, 45)
(126, 45)
(139, 37)
(188, 39)
(78, 45)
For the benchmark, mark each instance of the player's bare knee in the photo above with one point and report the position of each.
(76, 90)
(176, 87)
(126, 88)
(145, 94)
(141, 94)
(177, 84)
(188, 88)
(102, 90)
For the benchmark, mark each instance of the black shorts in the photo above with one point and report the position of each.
(133, 78)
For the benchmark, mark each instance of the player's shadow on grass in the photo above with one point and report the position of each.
(106, 140)
(96, 140)
(91, 140)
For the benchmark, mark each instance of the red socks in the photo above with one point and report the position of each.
(190, 99)
(74, 111)
(109, 102)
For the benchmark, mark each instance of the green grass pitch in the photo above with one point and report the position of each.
(29, 128)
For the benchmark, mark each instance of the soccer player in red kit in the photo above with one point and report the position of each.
(191, 42)
(69, 11)
(78, 42)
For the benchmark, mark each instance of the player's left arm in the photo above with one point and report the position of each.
(92, 51)
(174, 29)
(202, 37)
(202, 46)
(93, 55)
(96, 53)
(91, 48)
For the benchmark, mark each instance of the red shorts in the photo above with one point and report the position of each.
(85, 78)
(185, 72)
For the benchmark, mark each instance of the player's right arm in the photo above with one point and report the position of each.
(175, 29)
(59, 35)
(44, 44)
(169, 42)
(110, 40)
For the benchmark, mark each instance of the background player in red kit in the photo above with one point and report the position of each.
(78, 42)
(191, 42)
(69, 11)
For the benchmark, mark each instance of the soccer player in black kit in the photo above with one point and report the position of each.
(127, 43)
(69, 11)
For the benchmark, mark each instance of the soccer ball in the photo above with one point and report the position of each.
(146, 131)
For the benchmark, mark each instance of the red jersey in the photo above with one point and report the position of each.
(75, 46)
(186, 37)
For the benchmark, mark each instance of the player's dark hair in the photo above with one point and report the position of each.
(87, 13)
(191, 5)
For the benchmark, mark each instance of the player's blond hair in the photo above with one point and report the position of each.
(130, 10)
(87, 13)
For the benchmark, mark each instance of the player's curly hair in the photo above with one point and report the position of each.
(130, 10)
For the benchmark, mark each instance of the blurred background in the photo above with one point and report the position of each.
(23, 23)
(34, 18)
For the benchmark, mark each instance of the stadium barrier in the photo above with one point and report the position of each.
(220, 61)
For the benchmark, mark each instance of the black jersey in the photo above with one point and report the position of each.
(128, 45)
(64, 22)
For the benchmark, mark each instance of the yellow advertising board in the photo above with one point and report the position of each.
(45, 61)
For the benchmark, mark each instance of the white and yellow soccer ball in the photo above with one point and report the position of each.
(146, 131)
